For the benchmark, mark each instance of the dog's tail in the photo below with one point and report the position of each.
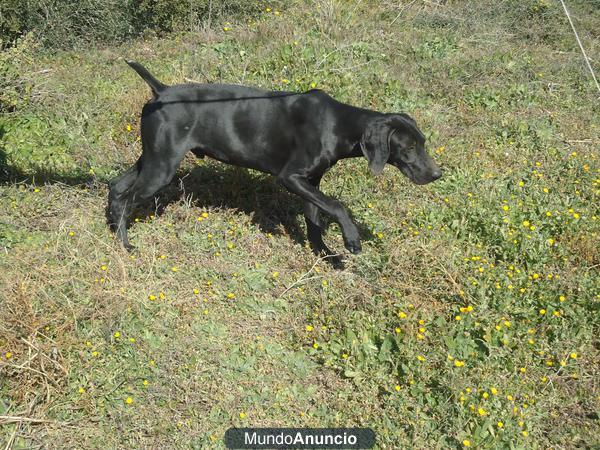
(154, 84)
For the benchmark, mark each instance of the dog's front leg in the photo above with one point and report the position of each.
(302, 187)
(314, 229)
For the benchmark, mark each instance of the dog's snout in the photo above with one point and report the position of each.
(436, 173)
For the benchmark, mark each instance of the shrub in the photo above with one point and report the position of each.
(69, 23)
(14, 88)
(179, 15)
(65, 23)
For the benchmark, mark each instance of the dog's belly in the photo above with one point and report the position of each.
(220, 140)
(250, 158)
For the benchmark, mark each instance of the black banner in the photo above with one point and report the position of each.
(299, 438)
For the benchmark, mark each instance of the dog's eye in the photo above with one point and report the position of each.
(408, 155)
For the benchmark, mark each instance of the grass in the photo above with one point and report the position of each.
(470, 319)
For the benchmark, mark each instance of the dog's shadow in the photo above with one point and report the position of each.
(272, 208)
(208, 186)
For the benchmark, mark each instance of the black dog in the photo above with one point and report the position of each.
(293, 136)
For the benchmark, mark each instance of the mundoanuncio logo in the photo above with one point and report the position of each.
(300, 438)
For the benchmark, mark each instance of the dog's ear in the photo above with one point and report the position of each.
(404, 120)
(375, 143)
(407, 117)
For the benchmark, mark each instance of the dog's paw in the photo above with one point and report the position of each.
(354, 247)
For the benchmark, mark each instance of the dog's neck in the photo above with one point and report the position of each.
(353, 123)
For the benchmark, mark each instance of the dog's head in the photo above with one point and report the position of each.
(395, 139)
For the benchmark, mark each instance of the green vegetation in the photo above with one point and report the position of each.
(470, 319)
(68, 23)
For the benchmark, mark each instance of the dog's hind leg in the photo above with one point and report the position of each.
(118, 186)
(154, 174)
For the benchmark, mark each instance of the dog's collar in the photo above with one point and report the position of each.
(390, 136)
